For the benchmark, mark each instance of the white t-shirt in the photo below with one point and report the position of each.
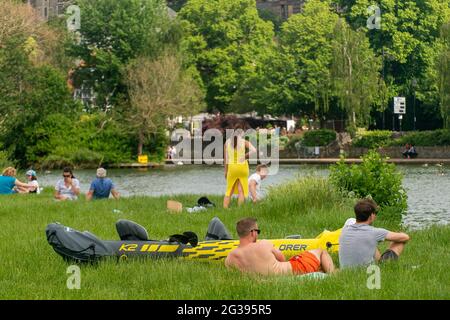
(67, 191)
(257, 178)
(34, 183)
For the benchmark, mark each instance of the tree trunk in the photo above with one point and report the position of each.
(140, 143)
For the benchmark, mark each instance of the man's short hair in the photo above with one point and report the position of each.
(364, 208)
(260, 167)
(244, 226)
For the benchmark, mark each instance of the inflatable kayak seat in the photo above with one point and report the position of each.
(131, 231)
(217, 230)
(76, 246)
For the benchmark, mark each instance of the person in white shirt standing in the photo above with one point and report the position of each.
(254, 182)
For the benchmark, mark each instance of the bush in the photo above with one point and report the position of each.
(318, 138)
(4, 161)
(372, 139)
(373, 178)
(292, 141)
(88, 141)
(424, 138)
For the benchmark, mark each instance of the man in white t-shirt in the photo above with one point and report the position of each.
(254, 182)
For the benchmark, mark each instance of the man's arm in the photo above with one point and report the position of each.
(397, 237)
(115, 194)
(89, 195)
(278, 255)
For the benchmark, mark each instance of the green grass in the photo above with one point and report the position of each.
(30, 269)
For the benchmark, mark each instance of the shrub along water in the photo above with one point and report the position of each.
(374, 178)
(318, 138)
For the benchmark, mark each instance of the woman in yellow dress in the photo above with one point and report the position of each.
(236, 166)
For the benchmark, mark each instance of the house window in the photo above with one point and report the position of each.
(283, 11)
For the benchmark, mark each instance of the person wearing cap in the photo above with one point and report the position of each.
(102, 187)
(32, 183)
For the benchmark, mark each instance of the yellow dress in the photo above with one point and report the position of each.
(237, 168)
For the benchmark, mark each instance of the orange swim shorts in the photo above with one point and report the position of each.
(305, 262)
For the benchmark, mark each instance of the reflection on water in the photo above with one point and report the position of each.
(428, 187)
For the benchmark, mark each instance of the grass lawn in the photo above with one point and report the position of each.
(30, 269)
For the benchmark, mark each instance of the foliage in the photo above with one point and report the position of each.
(158, 89)
(374, 178)
(319, 138)
(442, 66)
(87, 141)
(424, 138)
(355, 73)
(226, 40)
(372, 139)
(112, 34)
(307, 38)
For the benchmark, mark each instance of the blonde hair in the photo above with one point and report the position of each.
(10, 171)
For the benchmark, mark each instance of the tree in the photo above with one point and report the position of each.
(355, 72)
(31, 88)
(406, 42)
(442, 66)
(226, 40)
(158, 89)
(307, 38)
(113, 33)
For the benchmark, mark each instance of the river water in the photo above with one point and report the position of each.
(428, 187)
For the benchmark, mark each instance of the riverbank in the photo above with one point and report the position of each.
(32, 270)
(281, 161)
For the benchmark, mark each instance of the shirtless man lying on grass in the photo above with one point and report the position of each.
(262, 257)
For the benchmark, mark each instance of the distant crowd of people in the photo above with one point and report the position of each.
(67, 188)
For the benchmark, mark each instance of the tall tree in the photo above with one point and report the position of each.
(356, 73)
(114, 32)
(307, 37)
(442, 65)
(158, 89)
(226, 42)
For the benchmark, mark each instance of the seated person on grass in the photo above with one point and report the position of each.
(358, 242)
(9, 184)
(102, 187)
(262, 257)
(254, 182)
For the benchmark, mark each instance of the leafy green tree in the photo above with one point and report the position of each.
(355, 72)
(114, 32)
(442, 66)
(307, 38)
(226, 41)
(406, 42)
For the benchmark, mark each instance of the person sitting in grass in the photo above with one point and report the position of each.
(9, 184)
(68, 188)
(254, 182)
(32, 182)
(102, 187)
(263, 258)
(358, 242)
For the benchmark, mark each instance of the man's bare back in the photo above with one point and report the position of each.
(260, 257)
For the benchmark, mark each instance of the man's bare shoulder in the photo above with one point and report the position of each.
(265, 243)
